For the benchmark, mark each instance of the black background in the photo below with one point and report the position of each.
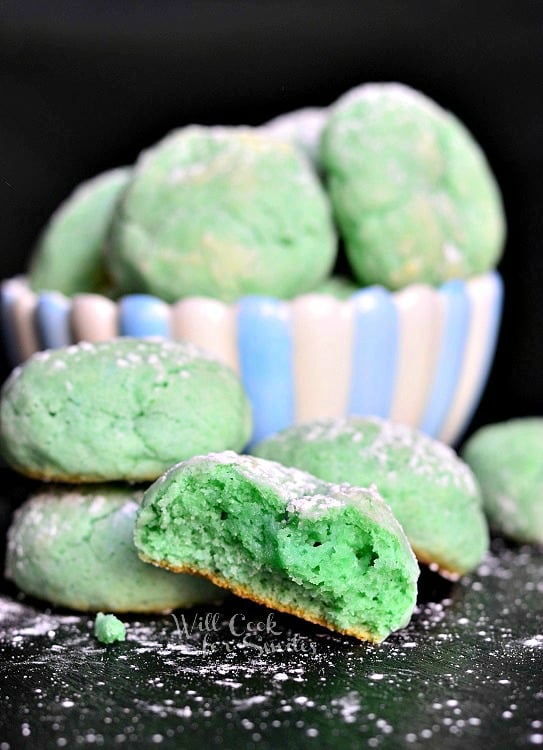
(84, 86)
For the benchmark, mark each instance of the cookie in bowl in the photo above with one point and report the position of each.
(413, 194)
(224, 237)
(223, 213)
(303, 128)
(69, 256)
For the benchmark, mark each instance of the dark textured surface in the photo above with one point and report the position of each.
(467, 672)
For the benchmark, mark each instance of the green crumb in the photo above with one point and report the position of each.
(108, 628)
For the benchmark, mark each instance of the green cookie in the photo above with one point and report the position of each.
(431, 491)
(69, 254)
(124, 409)
(412, 192)
(507, 459)
(74, 547)
(221, 212)
(333, 555)
(336, 286)
(303, 128)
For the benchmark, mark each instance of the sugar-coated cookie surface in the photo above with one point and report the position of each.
(125, 409)
(507, 459)
(221, 212)
(432, 493)
(334, 555)
(69, 255)
(303, 128)
(336, 286)
(74, 547)
(412, 192)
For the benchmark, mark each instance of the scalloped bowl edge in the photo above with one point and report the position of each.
(420, 356)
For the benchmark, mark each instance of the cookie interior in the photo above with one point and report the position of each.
(325, 560)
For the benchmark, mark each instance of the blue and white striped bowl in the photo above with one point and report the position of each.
(420, 356)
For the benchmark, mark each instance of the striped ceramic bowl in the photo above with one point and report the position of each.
(420, 356)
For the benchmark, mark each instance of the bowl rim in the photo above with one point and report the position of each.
(470, 282)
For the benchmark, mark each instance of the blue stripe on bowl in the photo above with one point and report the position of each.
(375, 352)
(266, 363)
(143, 315)
(8, 295)
(53, 320)
(490, 342)
(451, 355)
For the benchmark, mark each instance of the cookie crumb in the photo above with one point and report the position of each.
(108, 628)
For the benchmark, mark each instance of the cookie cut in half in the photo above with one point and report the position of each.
(331, 554)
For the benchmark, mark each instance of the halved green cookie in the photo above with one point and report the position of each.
(334, 555)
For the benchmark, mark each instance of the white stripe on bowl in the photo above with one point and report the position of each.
(210, 324)
(10, 290)
(421, 312)
(24, 308)
(322, 330)
(94, 318)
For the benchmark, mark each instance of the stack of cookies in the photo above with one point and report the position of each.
(99, 420)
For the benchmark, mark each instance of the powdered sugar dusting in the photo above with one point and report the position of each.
(339, 496)
(535, 642)
(164, 355)
(29, 622)
(288, 483)
(464, 670)
(391, 446)
(394, 95)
